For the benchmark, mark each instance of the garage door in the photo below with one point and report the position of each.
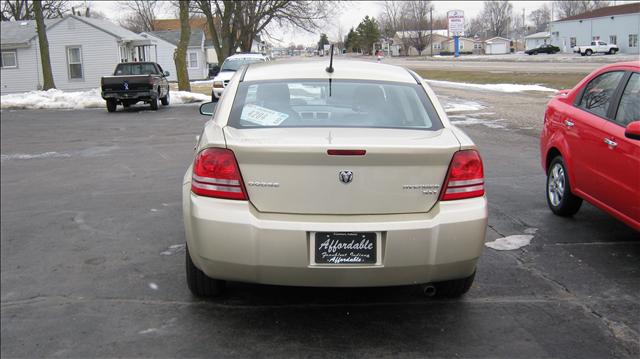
(499, 48)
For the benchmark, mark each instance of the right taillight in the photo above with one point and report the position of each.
(216, 174)
(465, 178)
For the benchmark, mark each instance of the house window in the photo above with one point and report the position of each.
(595, 38)
(572, 42)
(74, 61)
(633, 40)
(9, 60)
(613, 39)
(193, 60)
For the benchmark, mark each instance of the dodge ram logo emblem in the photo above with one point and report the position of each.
(126, 85)
(345, 176)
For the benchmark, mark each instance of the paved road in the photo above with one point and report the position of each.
(92, 262)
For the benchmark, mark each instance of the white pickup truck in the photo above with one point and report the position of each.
(596, 47)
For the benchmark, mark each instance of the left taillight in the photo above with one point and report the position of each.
(465, 178)
(216, 174)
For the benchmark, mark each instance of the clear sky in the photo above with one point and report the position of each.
(351, 14)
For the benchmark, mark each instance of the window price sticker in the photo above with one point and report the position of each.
(262, 116)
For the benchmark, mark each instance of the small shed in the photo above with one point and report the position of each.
(497, 46)
(535, 40)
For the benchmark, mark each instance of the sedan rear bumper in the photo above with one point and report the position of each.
(231, 240)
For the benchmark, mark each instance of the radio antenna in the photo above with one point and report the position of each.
(330, 68)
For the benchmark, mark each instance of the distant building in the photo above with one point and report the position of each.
(535, 40)
(497, 45)
(81, 49)
(167, 42)
(618, 25)
(403, 40)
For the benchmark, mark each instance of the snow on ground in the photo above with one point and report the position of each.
(57, 99)
(492, 87)
(466, 121)
(462, 106)
(27, 156)
(202, 82)
(511, 242)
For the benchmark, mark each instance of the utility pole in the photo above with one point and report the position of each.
(524, 30)
(431, 28)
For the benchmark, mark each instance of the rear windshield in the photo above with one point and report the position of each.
(136, 69)
(341, 103)
(235, 64)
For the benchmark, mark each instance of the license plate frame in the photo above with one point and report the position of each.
(360, 241)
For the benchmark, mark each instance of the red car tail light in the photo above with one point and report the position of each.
(465, 178)
(216, 174)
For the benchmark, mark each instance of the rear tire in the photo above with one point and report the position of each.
(154, 103)
(535, 52)
(560, 199)
(588, 52)
(199, 284)
(112, 105)
(165, 100)
(454, 288)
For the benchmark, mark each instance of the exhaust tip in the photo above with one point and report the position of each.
(429, 290)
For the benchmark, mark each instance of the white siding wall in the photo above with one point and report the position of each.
(200, 72)
(533, 43)
(620, 26)
(165, 57)
(100, 53)
(26, 76)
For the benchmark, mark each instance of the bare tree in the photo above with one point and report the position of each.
(180, 54)
(234, 24)
(566, 8)
(497, 15)
(23, 9)
(392, 17)
(475, 26)
(418, 20)
(44, 46)
(540, 18)
(142, 15)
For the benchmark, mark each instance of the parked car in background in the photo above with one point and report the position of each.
(590, 144)
(543, 49)
(345, 178)
(134, 82)
(229, 68)
(596, 47)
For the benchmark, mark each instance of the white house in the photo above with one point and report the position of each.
(535, 40)
(497, 45)
(81, 50)
(167, 42)
(618, 25)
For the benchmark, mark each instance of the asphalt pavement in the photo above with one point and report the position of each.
(92, 261)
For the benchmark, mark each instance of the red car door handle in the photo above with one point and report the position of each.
(610, 142)
(568, 123)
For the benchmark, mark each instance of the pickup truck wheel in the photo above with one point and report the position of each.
(165, 100)
(154, 103)
(199, 284)
(612, 51)
(111, 105)
(588, 52)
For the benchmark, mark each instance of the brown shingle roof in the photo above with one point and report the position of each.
(606, 11)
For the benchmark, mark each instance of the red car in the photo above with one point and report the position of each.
(590, 144)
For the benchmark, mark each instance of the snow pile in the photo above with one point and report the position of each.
(467, 121)
(27, 156)
(202, 82)
(52, 99)
(511, 242)
(180, 97)
(57, 99)
(493, 87)
(460, 106)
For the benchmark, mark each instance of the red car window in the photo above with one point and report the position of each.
(629, 108)
(598, 93)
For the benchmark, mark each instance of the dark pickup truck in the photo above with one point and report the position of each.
(133, 82)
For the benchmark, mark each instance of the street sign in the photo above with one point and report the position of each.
(456, 22)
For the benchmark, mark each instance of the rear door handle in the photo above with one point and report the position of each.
(568, 123)
(610, 142)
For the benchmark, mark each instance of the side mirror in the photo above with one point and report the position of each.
(633, 130)
(166, 74)
(207, 108)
